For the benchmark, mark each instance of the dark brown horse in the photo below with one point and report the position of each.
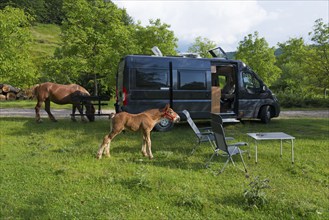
(62, 94)
(143, 122)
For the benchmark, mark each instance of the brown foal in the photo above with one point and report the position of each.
(143, 122)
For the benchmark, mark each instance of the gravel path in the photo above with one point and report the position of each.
(63, 113)
(30, 113)
(315, 114)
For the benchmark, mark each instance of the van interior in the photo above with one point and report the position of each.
(223, 77)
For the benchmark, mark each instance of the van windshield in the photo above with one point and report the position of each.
(250, 81)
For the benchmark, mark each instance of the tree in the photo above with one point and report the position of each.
(94, 39)
(16, 66)
(44, 11)
(202, 46)
(293, 64)
(156, 34)
(318, 58)
(256, 53)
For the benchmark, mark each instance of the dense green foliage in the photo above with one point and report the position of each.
(255, 52)
(44, 11)
(155, 34)
(202, 46)
(94, 39)
(49, 171)
(16, 64)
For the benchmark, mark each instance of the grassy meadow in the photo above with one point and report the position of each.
(49, 171)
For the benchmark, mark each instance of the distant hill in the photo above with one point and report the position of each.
(46, 38)
(231, 55)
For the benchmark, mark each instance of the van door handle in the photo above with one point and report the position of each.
(164, 88)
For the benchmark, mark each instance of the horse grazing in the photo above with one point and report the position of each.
(62, 94)
(143, 122)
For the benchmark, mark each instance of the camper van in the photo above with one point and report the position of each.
(200, 85)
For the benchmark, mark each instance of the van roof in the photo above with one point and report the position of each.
(149, 58)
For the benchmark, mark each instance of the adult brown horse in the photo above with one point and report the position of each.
(62, 94)
(143, 122)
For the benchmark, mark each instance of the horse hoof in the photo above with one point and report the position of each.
(39, 121)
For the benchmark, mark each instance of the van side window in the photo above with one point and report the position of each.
(192, 80)
(250, 82)
(150, 78)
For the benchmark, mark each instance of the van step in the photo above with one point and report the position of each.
(228, 115)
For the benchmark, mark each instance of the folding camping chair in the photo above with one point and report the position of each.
(227, 150)
(205, 136)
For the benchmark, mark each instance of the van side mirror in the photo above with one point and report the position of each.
(263, 88)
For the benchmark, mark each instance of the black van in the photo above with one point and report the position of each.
(145, 82)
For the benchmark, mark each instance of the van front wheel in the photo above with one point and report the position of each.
(265, 114)
(164, 125)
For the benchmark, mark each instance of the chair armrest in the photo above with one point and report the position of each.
(239, 144)
(205, 128)
(206, 133)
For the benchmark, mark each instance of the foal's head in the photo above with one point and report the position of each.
(168, 113)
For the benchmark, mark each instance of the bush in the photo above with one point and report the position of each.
(254, 194)
(291, 99)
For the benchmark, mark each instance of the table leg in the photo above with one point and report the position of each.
(292, 151)
(281, 149)
(249, 155)
(256, 151)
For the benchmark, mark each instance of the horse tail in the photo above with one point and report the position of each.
(35, 90)
(111, 116)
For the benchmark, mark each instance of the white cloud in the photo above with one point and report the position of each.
(220, 21)
(224, 22)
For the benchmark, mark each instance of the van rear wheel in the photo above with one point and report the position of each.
(164, 125)
(265, 114)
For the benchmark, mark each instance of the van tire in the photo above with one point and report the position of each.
(164, 125)
(265, 114)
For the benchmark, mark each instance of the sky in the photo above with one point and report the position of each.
(227, 22)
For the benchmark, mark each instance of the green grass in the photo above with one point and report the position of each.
(49, 171)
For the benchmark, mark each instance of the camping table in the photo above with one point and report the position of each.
(230, 120)
(273, 136)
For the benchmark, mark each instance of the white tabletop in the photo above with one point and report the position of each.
(230, 120)
(271, 136)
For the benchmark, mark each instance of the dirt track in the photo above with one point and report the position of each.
(58, 113)
(62, 113)
(315, 114)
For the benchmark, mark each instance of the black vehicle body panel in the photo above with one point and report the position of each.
(145, 82)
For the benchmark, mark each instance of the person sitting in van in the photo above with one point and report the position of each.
(227, 97)
(229, 89)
